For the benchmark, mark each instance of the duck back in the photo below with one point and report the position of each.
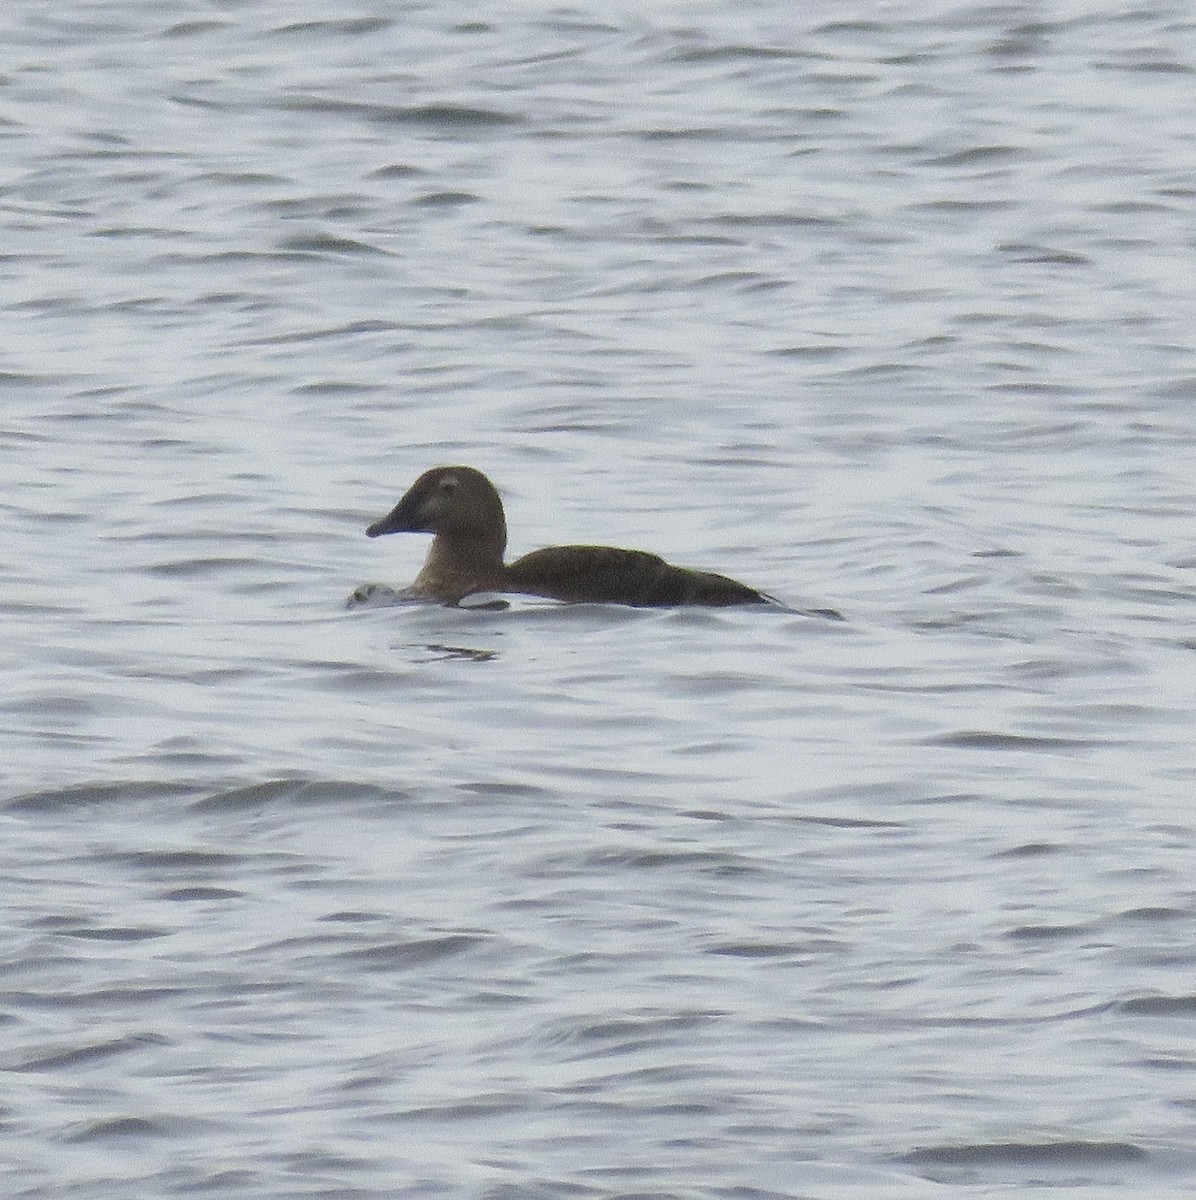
(607, 575)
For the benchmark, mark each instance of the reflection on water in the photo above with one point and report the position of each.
(449, 652)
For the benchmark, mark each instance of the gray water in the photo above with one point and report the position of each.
(886, 308)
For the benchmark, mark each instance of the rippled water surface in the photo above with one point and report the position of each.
(885, 308)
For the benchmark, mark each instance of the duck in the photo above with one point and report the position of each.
(463, 511)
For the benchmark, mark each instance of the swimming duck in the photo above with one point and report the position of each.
(463, 509)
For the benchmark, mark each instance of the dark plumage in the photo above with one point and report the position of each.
(462, 508)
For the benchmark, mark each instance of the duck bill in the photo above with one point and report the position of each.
(401, 519)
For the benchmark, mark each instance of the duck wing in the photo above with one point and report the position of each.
(606, 575)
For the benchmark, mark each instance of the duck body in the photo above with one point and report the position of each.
(462, 509)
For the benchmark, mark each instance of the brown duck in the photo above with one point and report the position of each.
(462, 508)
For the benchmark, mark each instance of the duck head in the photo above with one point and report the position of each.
(458, 504)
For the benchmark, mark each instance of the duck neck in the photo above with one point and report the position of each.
(484, 553)
(458, 565)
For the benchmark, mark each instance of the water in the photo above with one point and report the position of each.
(881, 307)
